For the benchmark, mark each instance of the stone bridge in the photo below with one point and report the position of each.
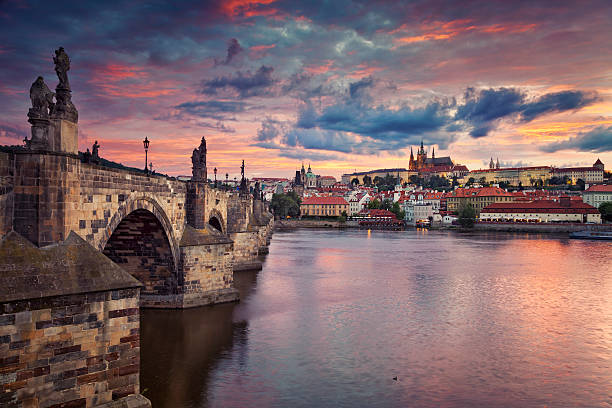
(73, 236)
(182, 240)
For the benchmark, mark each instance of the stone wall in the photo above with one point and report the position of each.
(208, 271)
(107, 195)
(77, 350)
(56, 193)
(246, 250)
(7, 165)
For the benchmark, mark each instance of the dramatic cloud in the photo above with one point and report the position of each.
(482, 109)
(405, 124)
(245, 84)
(597, 140)
(219, 110)
(233, 49)
(361, 79)
(557, 102)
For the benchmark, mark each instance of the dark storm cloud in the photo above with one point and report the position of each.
(482, 109)
(245, 84)
(597, 140)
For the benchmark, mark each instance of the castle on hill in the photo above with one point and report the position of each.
(423, 162)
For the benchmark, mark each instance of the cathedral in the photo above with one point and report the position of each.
(423, 162)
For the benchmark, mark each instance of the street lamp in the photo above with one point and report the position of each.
(215, 170)
(226, 181)
(145, 142)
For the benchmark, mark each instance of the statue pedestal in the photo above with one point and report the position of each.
(41, 127)
(63, 136)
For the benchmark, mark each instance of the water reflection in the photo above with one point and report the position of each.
(462, 319)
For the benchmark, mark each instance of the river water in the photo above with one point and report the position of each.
(462, 320)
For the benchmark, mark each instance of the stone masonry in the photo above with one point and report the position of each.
(136, 219)
(69, 327)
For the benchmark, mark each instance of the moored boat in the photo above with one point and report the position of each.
(601, 235)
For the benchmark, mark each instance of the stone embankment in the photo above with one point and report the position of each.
(543, 228)
(308, 223)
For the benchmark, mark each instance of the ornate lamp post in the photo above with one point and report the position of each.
(215, 170)
(226, 181)
(145, 142)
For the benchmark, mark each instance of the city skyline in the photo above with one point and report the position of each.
(343, 86)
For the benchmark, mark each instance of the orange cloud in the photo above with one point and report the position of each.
(438, 30)
(128, 82)
(262, 47)
(363, 70)
(233, 8)
(319, 69)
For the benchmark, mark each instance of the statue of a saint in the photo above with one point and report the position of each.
(62, 65)
(198, 162)
(94, 149)
(42, 98)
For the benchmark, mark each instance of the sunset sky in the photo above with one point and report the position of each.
(341, 84)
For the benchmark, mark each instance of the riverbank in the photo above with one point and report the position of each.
(544, 228)
(290, 224)
(309, 223)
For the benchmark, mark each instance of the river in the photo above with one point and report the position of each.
(460, 320)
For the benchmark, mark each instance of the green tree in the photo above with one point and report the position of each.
(470, 182)
(367, 180)
(355, 181)
(397, 210)
(374, 204)
(284, 205)
(606, 211)
(466, 216)
(580, 183)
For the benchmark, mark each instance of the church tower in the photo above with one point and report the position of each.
(491, 164)
(421, 158)
(411, 164)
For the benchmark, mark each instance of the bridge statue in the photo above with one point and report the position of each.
(42, 98)
(198, 162)
(38, 115)
(62, 65)
(64, 108)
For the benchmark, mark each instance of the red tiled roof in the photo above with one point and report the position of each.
(600, 188)
(325, 200)
(541, 206)
(511, 168)
(377, 213)
(570, 169)
(480, 192)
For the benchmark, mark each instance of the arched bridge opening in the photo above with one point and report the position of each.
(140, 245)
(215, 223)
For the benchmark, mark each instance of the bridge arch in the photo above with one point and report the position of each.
(149, 204)
(215, 219)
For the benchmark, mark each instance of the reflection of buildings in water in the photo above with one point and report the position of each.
(180, 348)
